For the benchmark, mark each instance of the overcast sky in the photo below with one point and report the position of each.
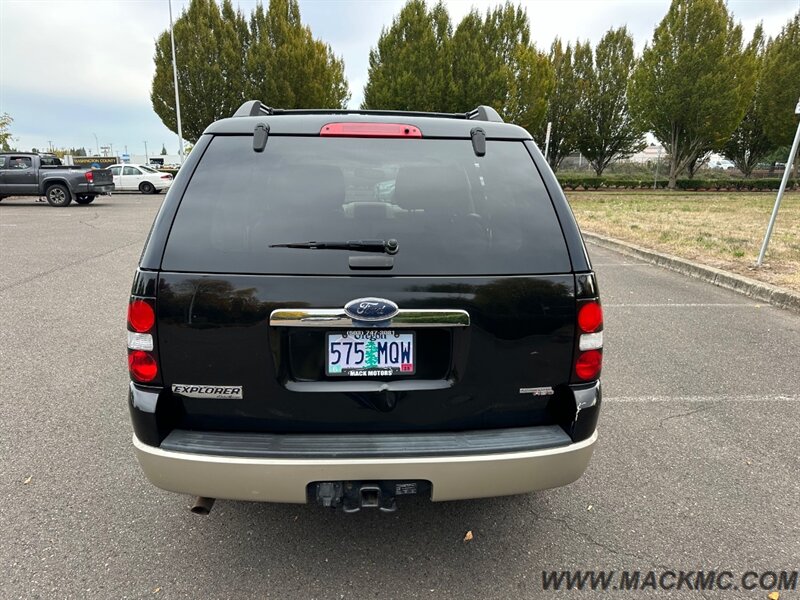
(70, 69)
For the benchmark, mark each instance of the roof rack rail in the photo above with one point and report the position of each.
(255, 108)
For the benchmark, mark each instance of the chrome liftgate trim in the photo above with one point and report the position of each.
(336, 318)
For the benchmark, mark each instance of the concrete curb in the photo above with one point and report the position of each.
(757, 290)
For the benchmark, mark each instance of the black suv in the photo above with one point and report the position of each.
(344, 307)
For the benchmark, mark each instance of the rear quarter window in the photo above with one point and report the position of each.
(452, 213)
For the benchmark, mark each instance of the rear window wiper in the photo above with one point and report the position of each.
(388, 246)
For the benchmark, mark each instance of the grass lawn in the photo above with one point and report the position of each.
(724, 230)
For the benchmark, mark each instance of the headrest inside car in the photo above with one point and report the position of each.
(308, 186)
(433, 189)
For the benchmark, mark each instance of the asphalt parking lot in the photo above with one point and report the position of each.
(696, 468)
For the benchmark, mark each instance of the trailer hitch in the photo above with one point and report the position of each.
(352, 496)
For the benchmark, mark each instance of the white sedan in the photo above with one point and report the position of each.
(139, 177)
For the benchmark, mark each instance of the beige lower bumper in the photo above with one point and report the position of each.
(285, 480)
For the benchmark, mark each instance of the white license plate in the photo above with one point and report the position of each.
(369, 353)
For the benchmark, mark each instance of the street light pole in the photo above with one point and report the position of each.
(175, 78)
(786, 172)
(146, 157)
(97, 144)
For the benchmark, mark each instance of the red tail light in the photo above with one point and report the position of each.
(590, 317)
(142, 366)
(89, 175)
(167, 176)
(142, 354)
(589, 350)
(589, 365)
(385, 130)
(141, 316)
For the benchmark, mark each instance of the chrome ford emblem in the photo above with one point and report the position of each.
(370, 309)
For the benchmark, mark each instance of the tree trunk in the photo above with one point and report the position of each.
(673, 173)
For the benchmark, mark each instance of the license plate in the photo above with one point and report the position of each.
(369, 353)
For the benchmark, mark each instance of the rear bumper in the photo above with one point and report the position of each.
(92, 188)
(286, 479)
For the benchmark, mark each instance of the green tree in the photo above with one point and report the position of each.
(777, 155)
(607, 132)
(495, 63)
(224, 60)
(207, 51)
(5, 133)
(749, 143)
(163, 149)
(410, 68)
(778, 89)
(562, 106)
(370, 354)
(692, 84)
(286, 66)
(700, 158)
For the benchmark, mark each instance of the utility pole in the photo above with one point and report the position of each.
(146, 158)
(50, 142)
(786, 172)
(175, 78)
(97, 144)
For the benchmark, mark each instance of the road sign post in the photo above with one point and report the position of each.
(786, 172)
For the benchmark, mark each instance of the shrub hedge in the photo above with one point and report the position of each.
(722, 185)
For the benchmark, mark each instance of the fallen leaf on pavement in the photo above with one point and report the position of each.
(28, 480)
(468, 536)
(774, 596)
(590, 507)
(156, 590)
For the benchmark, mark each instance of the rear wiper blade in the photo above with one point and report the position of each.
(388, 246)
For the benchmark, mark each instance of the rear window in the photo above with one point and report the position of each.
(452, 213)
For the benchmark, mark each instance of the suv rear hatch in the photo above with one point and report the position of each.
(481, 271)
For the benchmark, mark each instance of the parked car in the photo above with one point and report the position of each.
(721, 163)
(296, 335)
(130, 178)
(30, 174)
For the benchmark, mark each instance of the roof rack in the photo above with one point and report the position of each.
(255, 108)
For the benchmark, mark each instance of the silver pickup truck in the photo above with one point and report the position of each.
(28, 174)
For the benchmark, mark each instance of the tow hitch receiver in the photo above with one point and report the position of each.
(352, 496)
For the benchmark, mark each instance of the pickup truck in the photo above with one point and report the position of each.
(28, 174)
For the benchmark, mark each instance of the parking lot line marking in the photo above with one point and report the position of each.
(684, 305)
(701, 399)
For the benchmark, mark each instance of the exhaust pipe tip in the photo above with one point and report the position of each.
(202, 505)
